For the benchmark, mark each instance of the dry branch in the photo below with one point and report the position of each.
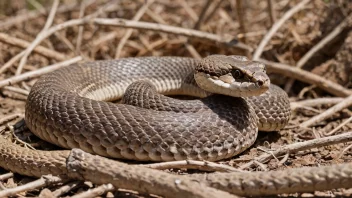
(100, 190)
(307, 77)
(5, 38)
(36, 73)
(315, 102)
(10, 117)
(193, 164)
(9, 63)
(258, 52)
(300, 146)
(6, 176)
(30, 48)
(171, 30)
(129, 32)
(43, 181)
(31, 15)
(338, 107)
(66, 188)
(337, 30)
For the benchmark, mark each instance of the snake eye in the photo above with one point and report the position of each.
(237, 74)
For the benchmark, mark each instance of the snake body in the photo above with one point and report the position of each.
(68, 108)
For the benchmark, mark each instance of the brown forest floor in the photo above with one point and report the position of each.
(21, 21)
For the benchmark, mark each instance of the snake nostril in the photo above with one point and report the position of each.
(260, 82)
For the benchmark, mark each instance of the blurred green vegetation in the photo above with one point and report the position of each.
(9, 7)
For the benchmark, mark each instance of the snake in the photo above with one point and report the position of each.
(75, 107)
(69, 108)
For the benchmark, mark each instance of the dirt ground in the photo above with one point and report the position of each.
(243, 21)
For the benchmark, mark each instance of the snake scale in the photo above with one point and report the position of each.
(69, 107)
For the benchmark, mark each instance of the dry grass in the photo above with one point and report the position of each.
(24, 20)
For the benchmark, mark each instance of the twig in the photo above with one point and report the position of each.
(17, 90)
(240, 15)
(193, 164)
(190, 48)
(85, 4)
(129, 32)
(43, 181)
(276, 26)
(271, 11)
(5, 38)
(141, 25)
(300, 146)
(213, 11)
(66, 188)
(189, 10)
(6, 176)
(10, 117)
(36, 73)
(100, 190)
(31, 15)
(101, 170)
(172, 30)
(338, 107)
(9, 63)
(307, 77)
(338, 29)
(339, 127)
(202, 14)
(344, 150)
(30, 48)
(315, 102)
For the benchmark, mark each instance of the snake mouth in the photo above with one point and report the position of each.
(227, 85)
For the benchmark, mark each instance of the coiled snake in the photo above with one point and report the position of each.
(68, 108)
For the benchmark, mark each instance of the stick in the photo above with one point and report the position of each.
(240, 15)
(100, 190)
(193, 164)
(338, 127)
(129, 32)
(202, 14)
(300, 146)
(9, 63)
(30, 48)
(10, 117)
(16, 90)
(43, 181)
(36, 73)
(6, 176)
(338, 29)
(4, 24)
(66, 188)
(271, 11)
(276, 26)
(315, 102)
(307, 77)
(338, 107)
(170, 29)
(5, 38)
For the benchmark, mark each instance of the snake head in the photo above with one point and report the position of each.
(232, 75)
